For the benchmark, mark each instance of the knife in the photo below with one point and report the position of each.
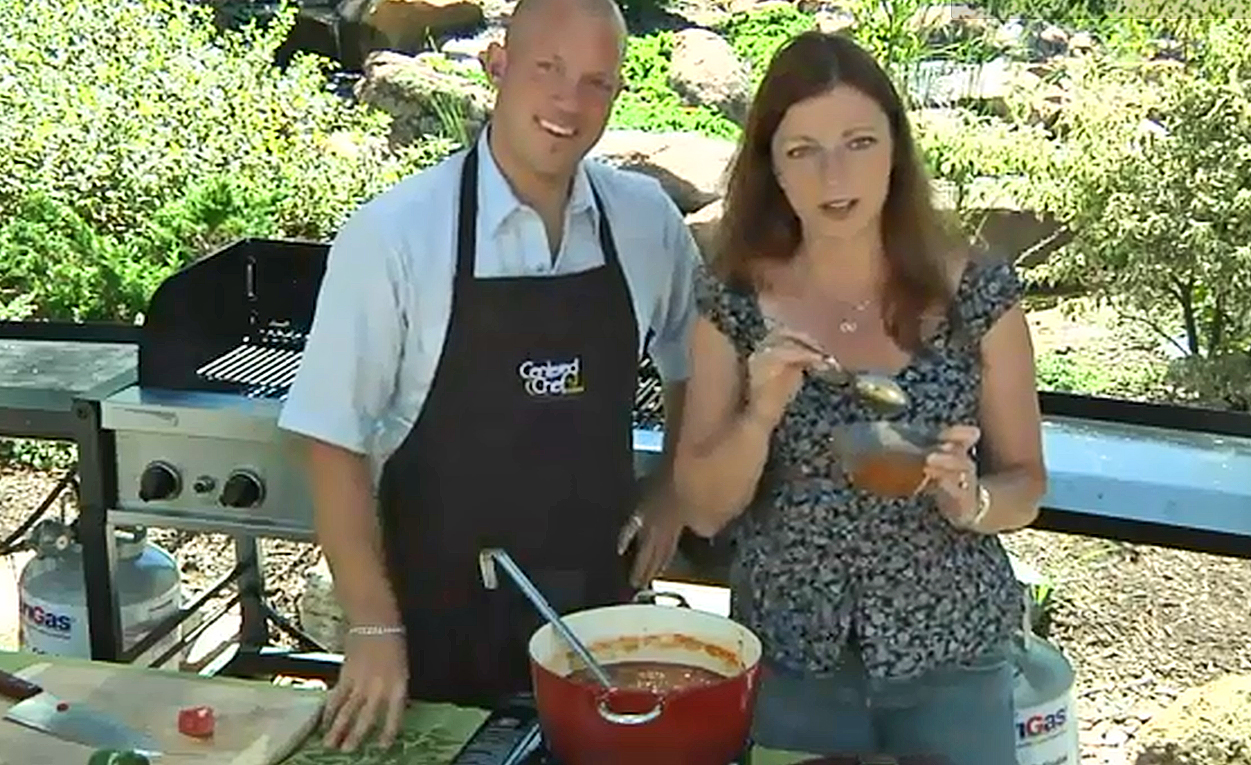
(38, 709)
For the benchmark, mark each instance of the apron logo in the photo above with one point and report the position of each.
(546, 378)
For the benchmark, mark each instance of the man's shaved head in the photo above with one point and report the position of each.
(557, 76)
(530, 15)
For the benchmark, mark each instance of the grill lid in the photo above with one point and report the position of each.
(234, 321)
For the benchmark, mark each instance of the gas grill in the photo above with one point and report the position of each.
(196, 438)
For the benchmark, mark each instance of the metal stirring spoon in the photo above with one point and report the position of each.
(486, 562)
(879, 391)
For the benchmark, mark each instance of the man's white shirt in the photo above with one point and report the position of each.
(385, 301)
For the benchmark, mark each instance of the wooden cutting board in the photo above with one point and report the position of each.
(257, 723)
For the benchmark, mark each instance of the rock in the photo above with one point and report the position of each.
(689, 166)
(424, 93)
(319, 612)
(704, 15)
(833, 22)
(825, 6)
(757, 6)
(984, 87)
(1208, 725)
(1052, 41)
(703, 225)
(1081, 42)
(705, 71)
(471, 49)
(1011, 37)
(1166, 49)
(1115, 737)
(406, 25)
(951, 24)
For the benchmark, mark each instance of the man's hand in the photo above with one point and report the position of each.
(657, 524)
(373, 684)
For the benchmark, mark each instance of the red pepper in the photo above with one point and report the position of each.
(196, 722)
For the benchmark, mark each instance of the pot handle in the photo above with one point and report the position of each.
(631, 718)
(651, 596)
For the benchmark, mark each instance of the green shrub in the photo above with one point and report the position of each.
(1071, 13)
(756, 35)
(1069, 373)
(134, 135)
(1136, 376)
(648, 103)
(57, 263)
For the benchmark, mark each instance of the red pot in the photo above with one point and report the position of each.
(585, 724)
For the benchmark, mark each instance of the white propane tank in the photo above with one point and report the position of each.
(53, 603)
(1046, 706)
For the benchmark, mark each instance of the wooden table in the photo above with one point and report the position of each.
(432, 733)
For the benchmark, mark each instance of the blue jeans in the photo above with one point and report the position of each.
(959, 715)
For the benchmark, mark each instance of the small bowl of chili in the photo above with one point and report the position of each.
(883, 457)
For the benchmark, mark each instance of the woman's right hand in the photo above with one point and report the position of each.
(372, 688)
(775, 372)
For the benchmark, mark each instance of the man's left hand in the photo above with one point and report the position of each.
(657, 526)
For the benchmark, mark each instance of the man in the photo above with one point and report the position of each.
(473, 363)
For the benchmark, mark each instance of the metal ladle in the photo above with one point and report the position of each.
(486, 562)
(879, 391)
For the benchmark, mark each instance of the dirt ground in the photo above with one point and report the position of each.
(1140, 624)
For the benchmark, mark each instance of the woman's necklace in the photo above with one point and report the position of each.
(849, 325)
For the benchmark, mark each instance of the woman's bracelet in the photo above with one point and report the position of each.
(375, 630)
(979, 514)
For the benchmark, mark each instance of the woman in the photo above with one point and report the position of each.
(887, 620)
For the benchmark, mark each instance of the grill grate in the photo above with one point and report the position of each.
(266, 366)
(263, 367)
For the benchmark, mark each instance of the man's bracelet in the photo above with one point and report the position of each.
(375, 629)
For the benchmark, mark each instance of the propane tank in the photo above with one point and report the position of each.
(52, 597)
(1045, 702)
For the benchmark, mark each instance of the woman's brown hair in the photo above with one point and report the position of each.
(758, 224)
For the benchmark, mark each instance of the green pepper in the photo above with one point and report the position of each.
(117, 757)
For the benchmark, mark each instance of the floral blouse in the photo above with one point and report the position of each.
(818, 560)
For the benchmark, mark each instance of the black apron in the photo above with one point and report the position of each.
(524, 443)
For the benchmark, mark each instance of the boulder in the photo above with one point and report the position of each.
(705, 71)
(407, 25)
(689, 166)
(424, 94)
(703, 225)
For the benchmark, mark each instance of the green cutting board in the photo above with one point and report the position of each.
(434, 733)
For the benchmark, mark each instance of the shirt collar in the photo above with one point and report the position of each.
(496, 200)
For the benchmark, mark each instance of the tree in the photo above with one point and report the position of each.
(1156, 187)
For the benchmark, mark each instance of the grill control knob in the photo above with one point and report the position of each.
(242, 489)
(159, 481)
